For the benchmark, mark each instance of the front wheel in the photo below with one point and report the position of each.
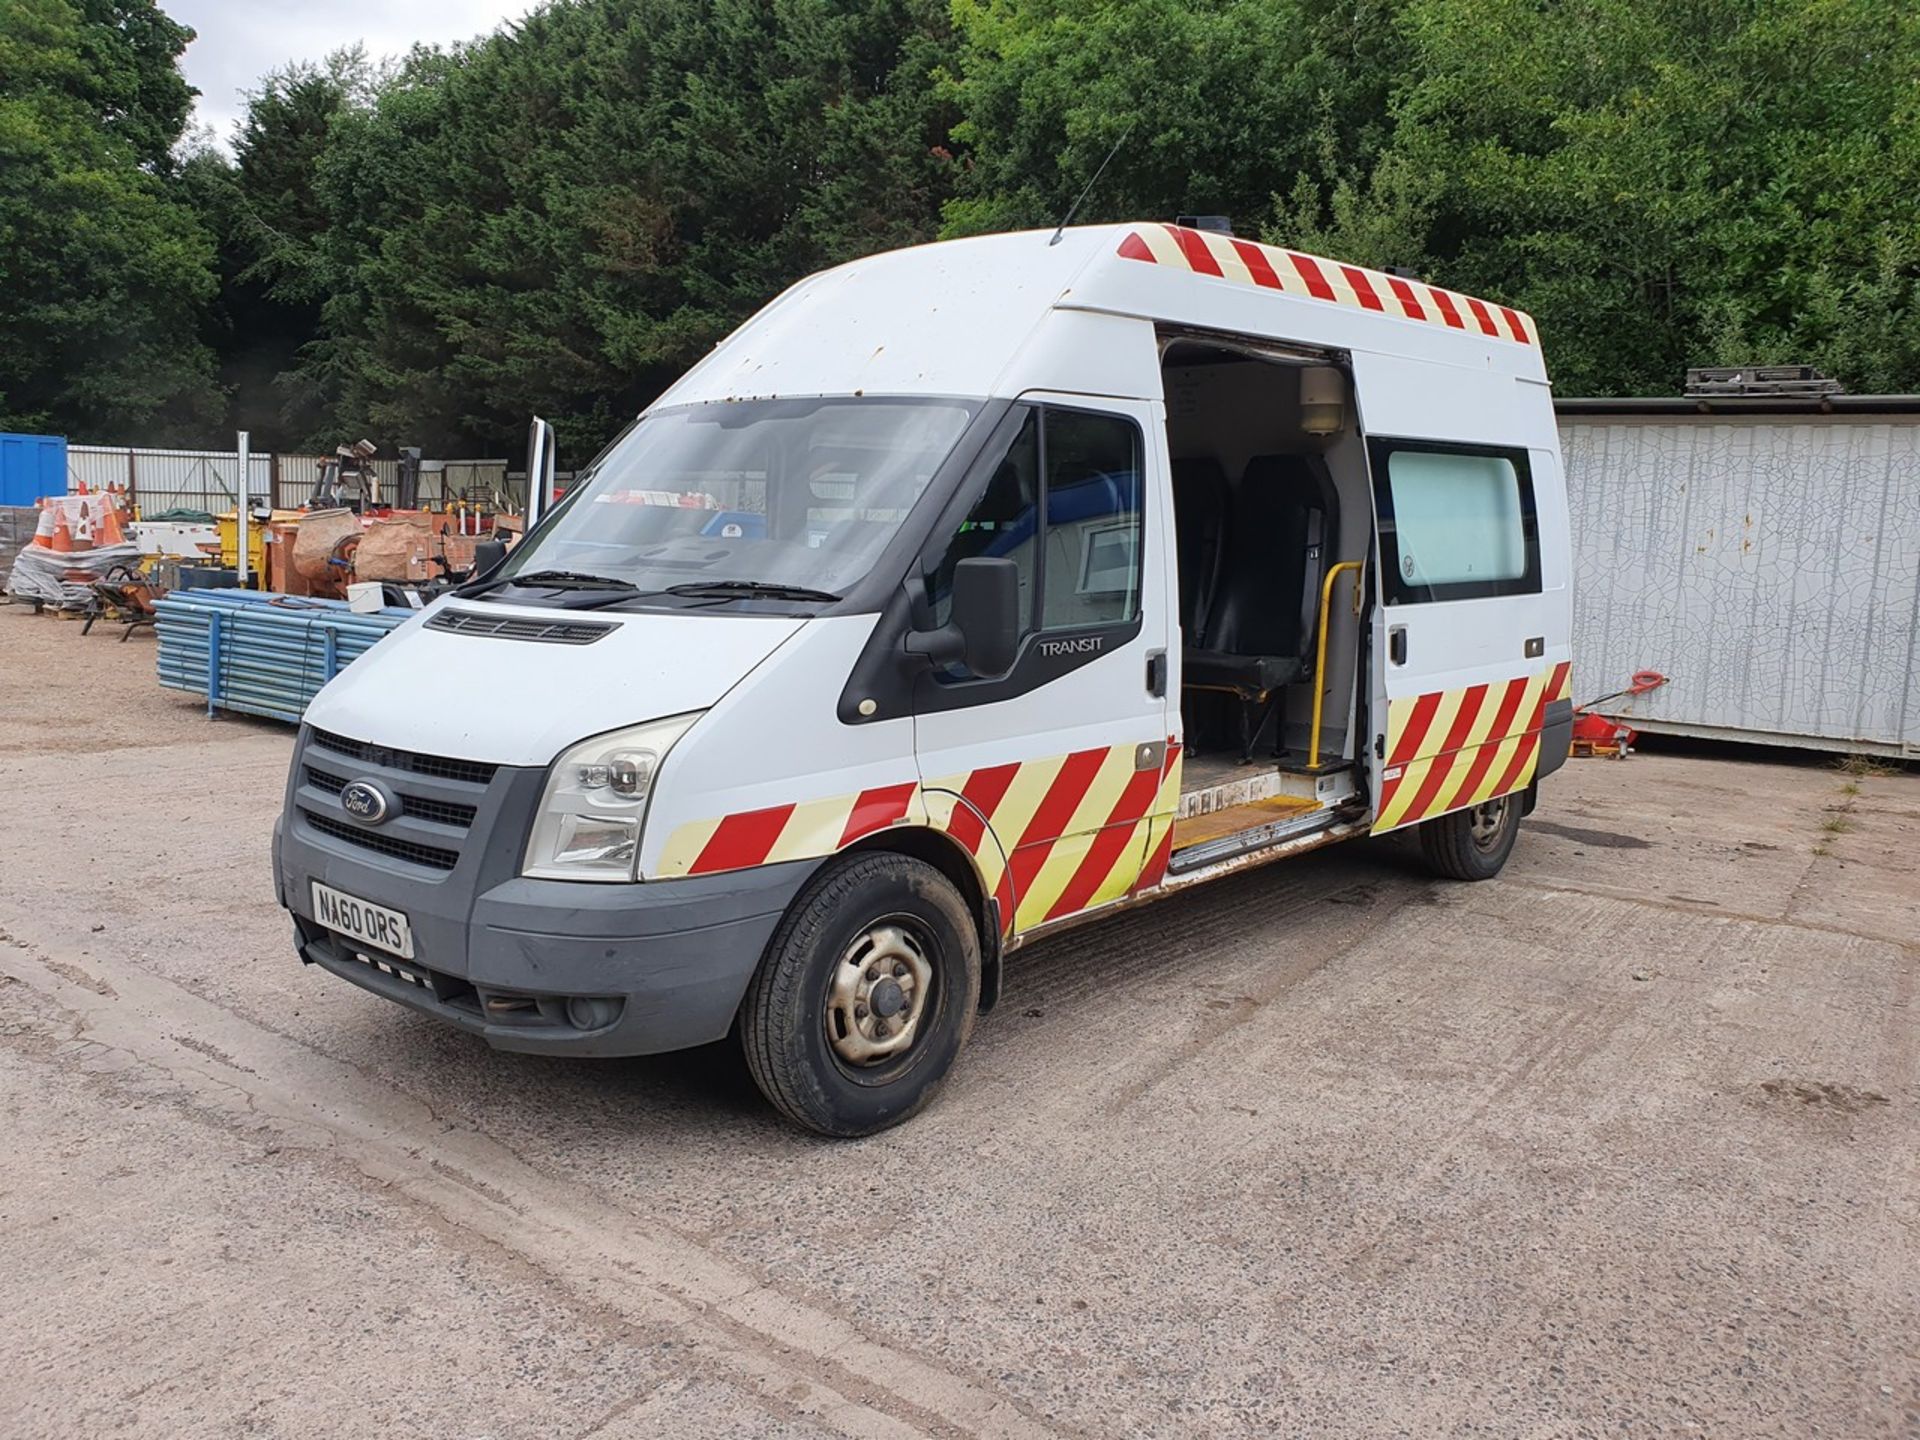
(1474, 843)
(866, 993)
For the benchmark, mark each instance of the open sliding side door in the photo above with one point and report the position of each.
(1460, 665)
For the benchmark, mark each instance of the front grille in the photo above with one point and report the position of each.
(472, 772)
(441, 812)
(430, 856)
(323, 780)
(515, 627)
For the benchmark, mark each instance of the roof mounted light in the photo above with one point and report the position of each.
(1323, 400)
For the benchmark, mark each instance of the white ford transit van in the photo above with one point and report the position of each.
(964, 593)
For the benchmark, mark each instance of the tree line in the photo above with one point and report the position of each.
(563, 216)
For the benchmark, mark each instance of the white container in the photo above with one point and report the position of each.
(366, 597)
(171, 538)
(1760, 555)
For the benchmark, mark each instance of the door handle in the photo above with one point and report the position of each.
(1397, 644)
(1157, 673)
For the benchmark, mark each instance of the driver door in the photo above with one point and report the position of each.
(1051, 774)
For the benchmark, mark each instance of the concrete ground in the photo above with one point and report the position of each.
(1624, 1142)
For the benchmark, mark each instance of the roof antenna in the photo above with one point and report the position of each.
(1074, 209)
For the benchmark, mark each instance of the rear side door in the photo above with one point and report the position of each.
(1051, 774)
(1461, 666)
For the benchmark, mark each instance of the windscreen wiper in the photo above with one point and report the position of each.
(747, 590)
(570, 580)
(550, 580)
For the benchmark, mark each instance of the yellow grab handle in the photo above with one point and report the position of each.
(1320, 663)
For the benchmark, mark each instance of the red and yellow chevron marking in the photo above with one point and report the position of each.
(960, 806)
(1561, 685)
(787, 832)
(1270, 268)
(1452, 748)
(1166, 805)
(1077, 826)
(1051, 837)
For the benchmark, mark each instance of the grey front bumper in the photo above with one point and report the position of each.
(656, 966)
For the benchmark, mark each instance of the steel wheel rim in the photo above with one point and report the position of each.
(1487, 824)
(880, 993)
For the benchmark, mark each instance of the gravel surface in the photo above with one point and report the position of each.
(1624, 1142)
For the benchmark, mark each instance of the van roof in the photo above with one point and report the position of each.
(995, 315)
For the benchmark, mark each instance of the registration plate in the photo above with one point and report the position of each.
(362, 920)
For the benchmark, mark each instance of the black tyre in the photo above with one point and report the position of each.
(866, 993)
(1472, 844)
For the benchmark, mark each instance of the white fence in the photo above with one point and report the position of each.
(160, 480)
(169, 479)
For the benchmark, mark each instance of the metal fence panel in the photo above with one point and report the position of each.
(1769, 566)
(295, 477)
(205, 479)
(476, 481)
(169, 479)
(98, 466)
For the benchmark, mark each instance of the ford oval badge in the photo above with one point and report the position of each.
(365, 801)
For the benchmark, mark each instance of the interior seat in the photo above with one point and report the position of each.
(1258, 626)
(1200, 498)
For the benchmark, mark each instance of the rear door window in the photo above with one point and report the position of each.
(1456, 522)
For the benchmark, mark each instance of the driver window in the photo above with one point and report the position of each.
(1003, 525)
(1092, 564)
(1079, 555)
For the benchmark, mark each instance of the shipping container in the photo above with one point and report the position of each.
(1763, 553)
(31, 468)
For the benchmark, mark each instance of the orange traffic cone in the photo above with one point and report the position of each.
(108, 531)
(62, 535)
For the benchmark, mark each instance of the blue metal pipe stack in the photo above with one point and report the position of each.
(261, 654)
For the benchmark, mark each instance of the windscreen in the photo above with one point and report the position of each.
(788, 492)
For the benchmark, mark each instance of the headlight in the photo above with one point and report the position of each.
(588, 826)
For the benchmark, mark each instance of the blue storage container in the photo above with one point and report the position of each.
(32, 467)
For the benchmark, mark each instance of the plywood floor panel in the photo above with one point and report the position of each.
(1198, 829)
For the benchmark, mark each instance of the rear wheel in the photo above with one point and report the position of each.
(1474, 843)
(865, 995)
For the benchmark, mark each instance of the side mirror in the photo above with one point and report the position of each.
(487, 557)
(984, 630)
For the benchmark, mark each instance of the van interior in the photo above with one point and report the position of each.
(1270, 496)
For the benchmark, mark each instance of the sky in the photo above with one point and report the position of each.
(238, 41)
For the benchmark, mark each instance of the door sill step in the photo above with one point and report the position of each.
(1211, 825)
(1268, 785)
(1228, 833)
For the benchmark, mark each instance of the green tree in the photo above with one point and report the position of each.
(270, 223)
(127, 78)
(103, 271)
(1663, 183)
(1213, 106)
(564, 216)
